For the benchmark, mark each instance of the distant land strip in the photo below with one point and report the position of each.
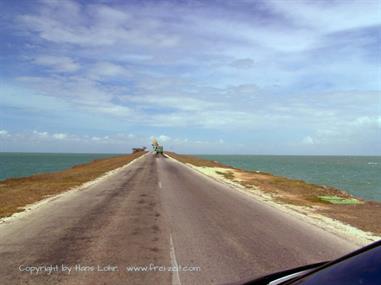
(17, 193)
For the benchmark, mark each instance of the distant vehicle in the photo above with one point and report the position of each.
(362, 267)
(157, 149)
(138, 149)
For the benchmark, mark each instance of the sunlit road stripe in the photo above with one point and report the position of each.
(175, 273)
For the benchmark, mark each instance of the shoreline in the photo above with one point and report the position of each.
(336, 218)
(25, 193)
(353, 174)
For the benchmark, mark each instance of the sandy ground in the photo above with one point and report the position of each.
(308, 214)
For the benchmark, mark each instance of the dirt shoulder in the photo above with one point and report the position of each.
(328, 205)
(17, 193)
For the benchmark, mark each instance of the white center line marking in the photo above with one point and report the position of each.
(175, 273)
(159, 184)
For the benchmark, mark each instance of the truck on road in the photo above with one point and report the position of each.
(157, 149)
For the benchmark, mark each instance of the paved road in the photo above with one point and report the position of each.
(159, 212)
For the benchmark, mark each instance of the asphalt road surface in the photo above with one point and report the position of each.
(163, 220)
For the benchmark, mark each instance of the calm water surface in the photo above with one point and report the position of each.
(26, 164)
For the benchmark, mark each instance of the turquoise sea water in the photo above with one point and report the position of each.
(358, 175)
(26, 164)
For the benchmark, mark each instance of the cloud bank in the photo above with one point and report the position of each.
(280, 77)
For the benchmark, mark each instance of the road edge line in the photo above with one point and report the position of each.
(175, 273)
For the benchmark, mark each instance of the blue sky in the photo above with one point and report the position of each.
(258, 77)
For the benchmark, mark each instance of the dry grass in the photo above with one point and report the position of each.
(16, 193)
(296, 191)
(227, 175)
(365, 216)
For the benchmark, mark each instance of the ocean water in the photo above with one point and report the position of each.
(26, 164)
(358, 175)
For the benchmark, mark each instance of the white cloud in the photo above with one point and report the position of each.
(308, 140)
(40, 134)
(367, 121)
(178, 102)
(213, 68)
(60, 136)
(163, 138)
(4, 133)
(330, 16)
(354, 132)
(110, 16)
(243, 63)
(83, 94)
(108, 69)
(107, 26)
(59, 63)
(242, 90)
